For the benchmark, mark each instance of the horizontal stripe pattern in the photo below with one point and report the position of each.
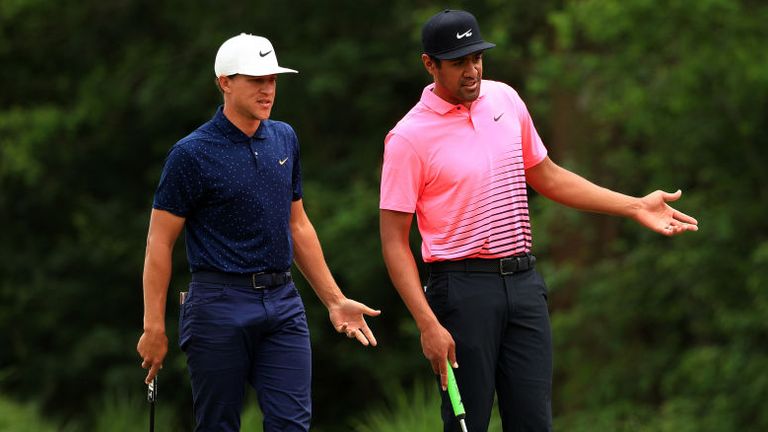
(461, 170)
(491, 221)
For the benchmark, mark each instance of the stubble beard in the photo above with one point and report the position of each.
(466, 95)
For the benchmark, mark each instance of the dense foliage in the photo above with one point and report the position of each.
(651, 333)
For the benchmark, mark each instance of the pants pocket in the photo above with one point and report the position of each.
(437, 292)
(184, 333)
(201, 293)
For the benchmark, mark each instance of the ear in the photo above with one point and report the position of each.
(429, 65)
(224, 84)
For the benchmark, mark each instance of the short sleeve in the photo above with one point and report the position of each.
(180, 184)
(401, 176)
(533, 148)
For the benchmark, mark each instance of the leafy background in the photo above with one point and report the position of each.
(651, 333)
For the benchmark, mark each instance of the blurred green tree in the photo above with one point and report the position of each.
(651, 333)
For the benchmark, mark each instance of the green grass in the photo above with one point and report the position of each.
(417, 410)
(16, 417)
(414, 410)
(119, 413)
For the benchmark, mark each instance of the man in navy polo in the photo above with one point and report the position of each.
(235, 185)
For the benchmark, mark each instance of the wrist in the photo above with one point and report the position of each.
(334, 300)
(632, 208)
(427, 324)
(154, 328)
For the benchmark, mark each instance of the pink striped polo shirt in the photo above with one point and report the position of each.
(463, 173)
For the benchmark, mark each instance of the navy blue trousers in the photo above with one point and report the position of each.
(503, 346)
(233, 335)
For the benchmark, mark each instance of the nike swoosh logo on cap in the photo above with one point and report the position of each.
(467, 33)
(264, 54)
(281, 162)
(498, 117)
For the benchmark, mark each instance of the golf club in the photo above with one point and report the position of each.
(453, 394)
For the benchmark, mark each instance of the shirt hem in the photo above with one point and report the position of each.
(174, 211)
(404, 209)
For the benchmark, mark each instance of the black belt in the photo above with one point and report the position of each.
(253, 280)
(502, 266)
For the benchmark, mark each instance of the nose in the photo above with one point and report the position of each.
(268, 88)
(471, 69)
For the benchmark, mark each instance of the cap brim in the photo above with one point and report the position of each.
(285, 70)
(261, 71)
(462, 51)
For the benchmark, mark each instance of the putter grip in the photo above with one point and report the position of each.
(152, 391)
(453, 393)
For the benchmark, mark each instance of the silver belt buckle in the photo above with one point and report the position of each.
(253, 282)
(509, 260)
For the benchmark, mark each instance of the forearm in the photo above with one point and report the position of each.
(404, 274)
(164, 228)
(572, 190)
(156, 278)
(309, 258)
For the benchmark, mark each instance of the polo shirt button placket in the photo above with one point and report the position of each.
(254, 151)
(460, 110)
(468, 114)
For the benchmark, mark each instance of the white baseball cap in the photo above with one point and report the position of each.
(248, 55)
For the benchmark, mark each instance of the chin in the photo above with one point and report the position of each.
(261, 115)
(471, 97)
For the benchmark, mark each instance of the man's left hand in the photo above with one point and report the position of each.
(347, 316)
(655, 214)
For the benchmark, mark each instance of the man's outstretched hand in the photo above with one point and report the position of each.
(348, 317)
(657, 215)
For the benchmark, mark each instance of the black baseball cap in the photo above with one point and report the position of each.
(452, 34)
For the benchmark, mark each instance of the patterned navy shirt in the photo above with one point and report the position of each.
(235, 192)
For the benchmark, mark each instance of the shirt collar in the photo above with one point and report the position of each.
(440, 105)
(232, 132)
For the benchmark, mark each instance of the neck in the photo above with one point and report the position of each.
(246, 124)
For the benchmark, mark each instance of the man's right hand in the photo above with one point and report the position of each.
(152, 347)
(438, 345)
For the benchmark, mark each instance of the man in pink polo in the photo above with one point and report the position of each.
(460, 160)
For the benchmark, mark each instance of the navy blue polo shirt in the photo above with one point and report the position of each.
(235, 192)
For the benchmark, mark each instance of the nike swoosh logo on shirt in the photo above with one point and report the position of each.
(282, 161)
(498, 117)
(467, 33)
(264, 54)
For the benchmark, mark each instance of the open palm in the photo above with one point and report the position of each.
(348, 317)
(657, 215)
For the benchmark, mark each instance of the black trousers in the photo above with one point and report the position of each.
(503, 346)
